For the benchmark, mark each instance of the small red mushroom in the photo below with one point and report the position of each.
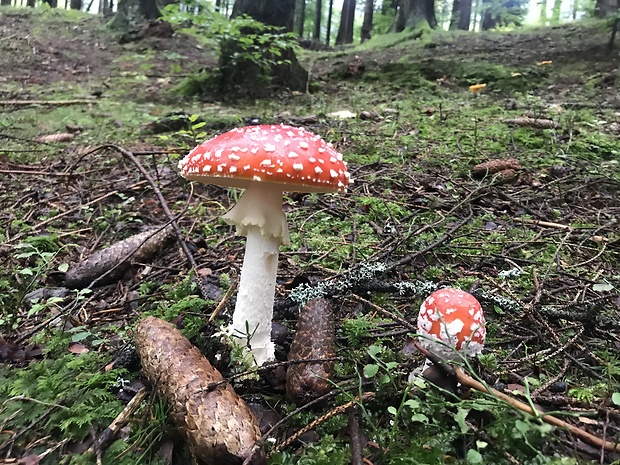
(452, 321)
(264, 160)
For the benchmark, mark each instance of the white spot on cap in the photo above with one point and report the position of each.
(318, 170)
(234, 157)
(292, 155)
(303, 145)
(206, 168)
(333, 174)
(266, 162)
(257, 178)
(233, 169)
(298, 167)
(270, 148)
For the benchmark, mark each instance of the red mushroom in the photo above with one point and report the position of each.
(451, 321)
(265, 160)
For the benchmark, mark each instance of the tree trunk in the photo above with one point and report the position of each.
(489, 18)
(76, 4)
(279, 13)
(317, 21)
(605, 8)
(301, 17)
(557, 9)
(456, 15)
(412, 12)
(51, 3)
(345, 31)
(330, 13)
(465, 15)
(5, 2)
(133, 12)
(369, 8)
(461, 15)
(543, 12)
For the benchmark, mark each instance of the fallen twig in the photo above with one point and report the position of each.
(591, 439)
(47, 102)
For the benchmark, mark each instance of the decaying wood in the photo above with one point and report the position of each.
(495, 166)
(109, 264)
(218, 425)
(314, 340)
(536, 123)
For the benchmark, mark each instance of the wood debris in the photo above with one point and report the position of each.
(218, 425)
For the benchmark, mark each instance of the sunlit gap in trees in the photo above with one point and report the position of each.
(534, 14)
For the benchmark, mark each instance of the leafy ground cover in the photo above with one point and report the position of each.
(538, 246)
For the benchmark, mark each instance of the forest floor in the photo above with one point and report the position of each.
(537, 241)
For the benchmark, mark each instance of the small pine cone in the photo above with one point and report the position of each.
(495, 166)
(536, 123)
(314, 339)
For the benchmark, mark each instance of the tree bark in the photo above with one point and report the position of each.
(411, 12)
(461, 15)
(317, 21)
(76, 4)
(543, 12)
(330, 13)
(301, 17)
(279, 13)
(345, 31)
(133, 12)
(51, 3)
(369, 7)
(5, 2)
(489, 17)
(605, 8)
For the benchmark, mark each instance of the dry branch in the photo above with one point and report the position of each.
(591, 439)
(218, 425)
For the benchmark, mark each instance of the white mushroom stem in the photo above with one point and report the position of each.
(258, 215)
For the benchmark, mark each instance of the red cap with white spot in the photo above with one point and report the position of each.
(293, 157)
(452, 319)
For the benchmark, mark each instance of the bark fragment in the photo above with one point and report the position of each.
(218, 425)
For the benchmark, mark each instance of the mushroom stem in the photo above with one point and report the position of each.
(258, 215)
(254, 310)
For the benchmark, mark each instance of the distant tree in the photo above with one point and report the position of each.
(279, 13)
(461, 15)
(555, 14)
(369, 8)
(133, 12)
(411, 12)
(76, 4)
(605, 8)
(51, 3)
(330, 13)
(345, 31)
(543, 12)
(499, 12)
(301, 18)
(317, 20)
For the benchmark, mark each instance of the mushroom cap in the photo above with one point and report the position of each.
(294, 158)
(455, 318)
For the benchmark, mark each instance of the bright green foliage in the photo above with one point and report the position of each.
(63, 396)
